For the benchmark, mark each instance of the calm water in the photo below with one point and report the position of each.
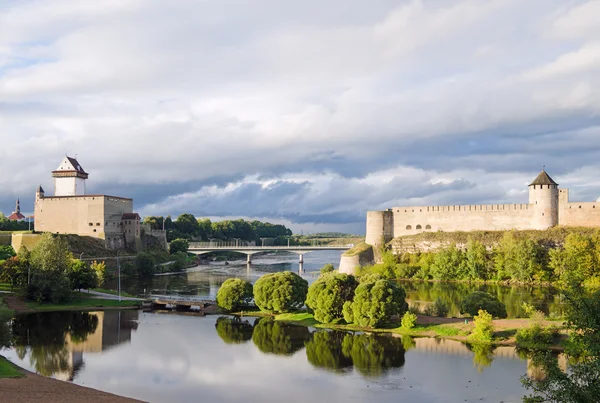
(188, 358)
(205, 280)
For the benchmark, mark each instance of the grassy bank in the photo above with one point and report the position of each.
(358, 249)
(112, 292)
(9, 370)
(82, 304)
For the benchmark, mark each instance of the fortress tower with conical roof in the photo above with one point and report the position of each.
(543, 197)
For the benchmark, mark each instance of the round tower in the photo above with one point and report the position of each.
(543, 196)
(380, 227)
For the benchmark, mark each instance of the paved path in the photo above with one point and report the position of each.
(97, 294)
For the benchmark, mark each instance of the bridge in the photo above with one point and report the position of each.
(178, 302)
(200, 248)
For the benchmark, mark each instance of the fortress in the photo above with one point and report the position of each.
(72, 211)
(548, 206)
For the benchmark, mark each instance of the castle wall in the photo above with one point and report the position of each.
(579, 214)
(380, 226)
(416, 219)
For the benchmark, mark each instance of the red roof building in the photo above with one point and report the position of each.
(16, 215)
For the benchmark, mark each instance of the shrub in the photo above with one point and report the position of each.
(178, 245)
(328, 268)
(438, 308)
(409, 320)
(536, 337)
(480, 300)
(100, 269)
(280, 292)
(234, 293)
(374, 302)
(327, 295)
(82, 276)
(145, 264)
(484, 328)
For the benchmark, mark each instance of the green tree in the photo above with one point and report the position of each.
(234, 293)
(577, 261)
(484, 328)
(476, 262)
(100, 270)
(15, 272)
(82, 276)
(187, 224)
(6, 252)
(50, 262)
(328, 268)
(274, 337)
(579, 384)
(178, 245)
(233, 330)
(327, 295)
(280, 292)
(409, 320)
(448, 264)
(145, 264)
(374, 303)
(480, 300)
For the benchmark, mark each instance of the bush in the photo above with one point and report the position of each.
(82, 276)
(145, 264)
(536, 337)
(438, 308)
(234, 293)
(480, 300)
(484, 328)
(280, 292)
(328, 268)
(409, 320)
(178, 245)
(415, 308)
(374, 302)
(100, 269)
(327, 295)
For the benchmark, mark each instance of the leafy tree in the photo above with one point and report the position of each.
(577, 261)
(519, 259)
(179, 261)
(274, 337)
(233, 330)
(480, 300)
(6, 252)
(178, 245)
(50, 262)
(579, 384)
(448, 264)
(100, 269)
(187, 224)
(145, 264)
(51, 254)
(327, 295)
(374, 302)
(476, 262)
(280, 292)
(484, 328)
(14, 271)
(328, 268)
(82, 276)
(409, 320)
(205, 228)
(324, 350)
(234, 293)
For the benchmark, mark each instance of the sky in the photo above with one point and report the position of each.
(303, 113)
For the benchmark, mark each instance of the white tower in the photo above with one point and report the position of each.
(69, 178)
(543, 195)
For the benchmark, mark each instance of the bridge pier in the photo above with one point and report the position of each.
(249, 258)
(300, 258)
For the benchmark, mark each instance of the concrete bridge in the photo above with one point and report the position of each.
(200, 248)
(178, 302)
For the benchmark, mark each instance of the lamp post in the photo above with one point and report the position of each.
(119, 274)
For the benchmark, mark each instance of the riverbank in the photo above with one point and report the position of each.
(426, 326)
(30, 387)
(19, 305)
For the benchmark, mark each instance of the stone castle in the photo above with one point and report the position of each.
(72, 211)
(548, 206)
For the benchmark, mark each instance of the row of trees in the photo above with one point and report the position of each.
(188, 227)
(49, 272)
(512, 259)
(12, 225)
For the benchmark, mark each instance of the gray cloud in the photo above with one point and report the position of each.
(278, 111)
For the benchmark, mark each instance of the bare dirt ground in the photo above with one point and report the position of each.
(16, 303)
(36, 388)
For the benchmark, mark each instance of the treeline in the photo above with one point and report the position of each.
(10, 225)
(186, 226)
(512, 259)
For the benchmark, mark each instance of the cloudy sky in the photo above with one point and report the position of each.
(307, 113)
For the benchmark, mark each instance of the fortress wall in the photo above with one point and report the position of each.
(413, 220)
(379, 224)
(579, 214)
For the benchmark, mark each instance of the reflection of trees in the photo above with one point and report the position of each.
(408, 342)
(324, 350)
(483, 355)
(5, 336)
(43, 335)
(370, 355)
(233, 330)
(278, 338)
(374, 355)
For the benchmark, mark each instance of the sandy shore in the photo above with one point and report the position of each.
(37, 388)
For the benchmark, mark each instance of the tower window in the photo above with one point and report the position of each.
(419, 226)
(428, 226)
(408, 227)
(579, 206)
(91, 224)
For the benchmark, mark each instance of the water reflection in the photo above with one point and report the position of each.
(233, 330)
(273, 337)
(55, 342)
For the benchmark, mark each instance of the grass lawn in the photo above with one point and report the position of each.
(113, 292)
(8, 369)
(82, 303)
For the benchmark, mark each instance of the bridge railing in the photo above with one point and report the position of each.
(182, 298)
(229, 246)
(222, 244)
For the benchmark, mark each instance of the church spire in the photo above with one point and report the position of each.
(18, 207)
